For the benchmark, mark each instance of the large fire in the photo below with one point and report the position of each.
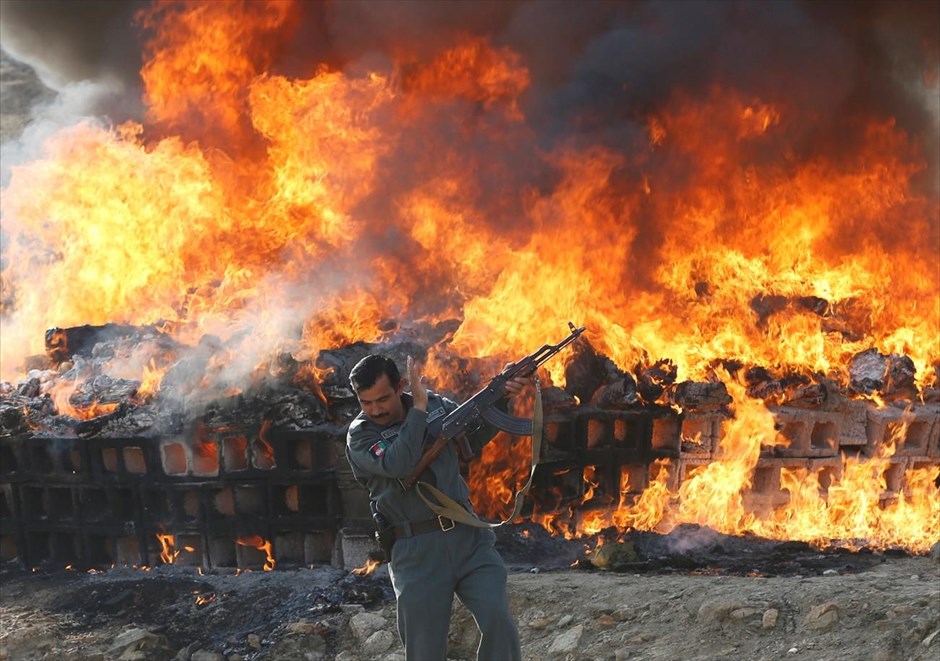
(302, 212)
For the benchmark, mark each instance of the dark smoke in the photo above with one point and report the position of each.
(67, 42)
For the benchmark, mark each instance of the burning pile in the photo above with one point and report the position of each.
(734, 240)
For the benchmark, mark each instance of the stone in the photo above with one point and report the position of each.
(605, 621)
(540, 622)
(742, 613)
(928, 641)
(568, 641)
(364, 625)
(614, 555)
(207, 655)
(717, 610)
(822, 617)
(254, 641)
(394, 656)
(128, 638)
(186, 653)
(133, 640)
(378, 642)
(307, 627)
(623, 614)
(769, 619)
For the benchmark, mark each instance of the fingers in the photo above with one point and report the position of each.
(416, 380)
(516, 385)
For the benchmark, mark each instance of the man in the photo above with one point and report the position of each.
(433, 558)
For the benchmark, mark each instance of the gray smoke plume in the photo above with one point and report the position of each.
(68, 42)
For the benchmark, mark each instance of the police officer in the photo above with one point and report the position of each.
(433, 558)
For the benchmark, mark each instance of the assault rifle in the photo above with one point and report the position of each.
(469, 416)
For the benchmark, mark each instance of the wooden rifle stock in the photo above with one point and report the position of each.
(430, 454)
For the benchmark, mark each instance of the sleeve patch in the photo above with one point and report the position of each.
(378, 449)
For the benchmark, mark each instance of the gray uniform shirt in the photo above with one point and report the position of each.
(380, 456)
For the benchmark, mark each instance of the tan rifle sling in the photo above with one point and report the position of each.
(448, 507)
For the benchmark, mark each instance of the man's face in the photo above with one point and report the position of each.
(381, 402)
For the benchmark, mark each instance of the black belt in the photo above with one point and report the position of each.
(412, 528)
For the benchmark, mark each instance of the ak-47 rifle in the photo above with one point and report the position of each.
(469, 416)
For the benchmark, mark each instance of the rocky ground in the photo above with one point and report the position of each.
(794, 603)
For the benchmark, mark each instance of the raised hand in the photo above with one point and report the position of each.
(418, 392)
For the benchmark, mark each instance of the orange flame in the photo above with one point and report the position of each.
(168, 550)
(61, 392)
(367, 569)
(258, 542)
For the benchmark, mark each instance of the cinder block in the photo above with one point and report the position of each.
(205, 458)
(766, 480)
(894, 475)
(806, 433)
(13, 457)
(666, 434)
(665, 471)
(828, 471)
(854, 431)
(8, 548)
(175, 458)
(353, 548)
(763, 504)
(222, 552)
(559, 431)
(689, 467)
(634, 478)
(122, 460)
(318, 547)
(558, 483)
(177, 548)
(53, 459)
(909, 430)
(8, 508)
(921, 473)
(627, 430)
(107, 505)
(53, 548)
(289, 547)
(234, 453)
(699, 434)
(933, 443)
(251, 552)
(128, 552)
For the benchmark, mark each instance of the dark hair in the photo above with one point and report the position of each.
(368, 370)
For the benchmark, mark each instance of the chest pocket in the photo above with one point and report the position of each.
(436, 421)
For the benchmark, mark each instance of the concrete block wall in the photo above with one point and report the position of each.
(699, 434)
(807, 432)
(913, 431)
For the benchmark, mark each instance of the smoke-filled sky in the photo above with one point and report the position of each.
(593, 65)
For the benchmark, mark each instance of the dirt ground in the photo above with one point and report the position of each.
(843, 605)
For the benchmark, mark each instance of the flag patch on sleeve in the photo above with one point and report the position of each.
(378, 449)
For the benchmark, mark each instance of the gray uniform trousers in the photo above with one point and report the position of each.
(427, 570)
